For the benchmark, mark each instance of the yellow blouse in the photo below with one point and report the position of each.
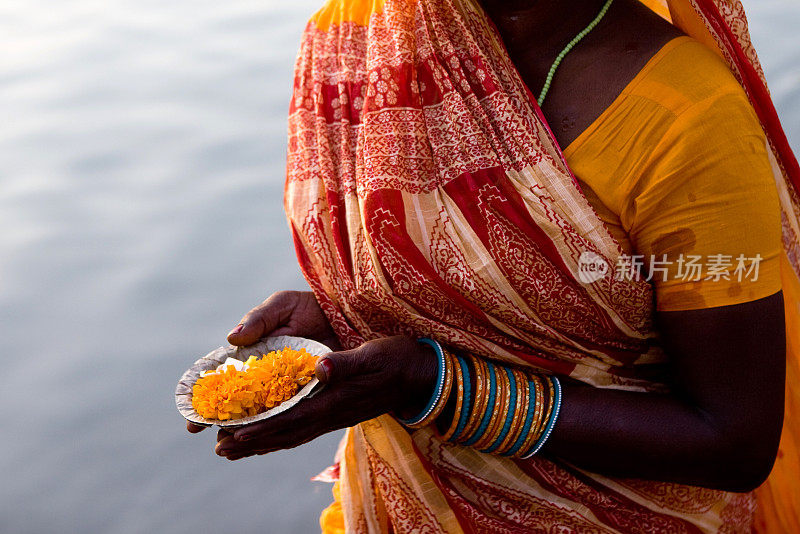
(677, 168)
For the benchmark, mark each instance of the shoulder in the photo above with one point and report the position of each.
(684, 75)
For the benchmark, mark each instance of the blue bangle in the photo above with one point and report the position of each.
(437, 393)
(512, 401)
(464, 416)
(528, 422)
(487, 415)
(550, 424)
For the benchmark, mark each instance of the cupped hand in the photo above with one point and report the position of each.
(285, 313)
(394, 374)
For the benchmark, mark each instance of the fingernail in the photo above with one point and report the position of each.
(326, 368)
(236, 330)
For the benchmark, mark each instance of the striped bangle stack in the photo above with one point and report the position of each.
(498, 409)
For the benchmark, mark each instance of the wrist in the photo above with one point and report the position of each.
(420, 380)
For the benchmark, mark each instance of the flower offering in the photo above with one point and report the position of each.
(239, 389)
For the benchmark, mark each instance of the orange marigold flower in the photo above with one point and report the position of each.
(226, 394)
(279, 374)
(262, 384)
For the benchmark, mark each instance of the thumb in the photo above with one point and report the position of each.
(263, 319)
(339, 366)
(249, 331)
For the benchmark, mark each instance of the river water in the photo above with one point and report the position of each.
(142, 150)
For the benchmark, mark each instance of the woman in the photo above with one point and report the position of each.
(430, 196)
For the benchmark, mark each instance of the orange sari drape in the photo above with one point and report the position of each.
(427, 196)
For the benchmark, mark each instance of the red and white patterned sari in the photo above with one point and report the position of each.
(427, 196)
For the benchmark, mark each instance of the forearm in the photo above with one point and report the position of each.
(721, 425)
(654, 436)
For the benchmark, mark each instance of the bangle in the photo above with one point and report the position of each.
(481, 395)
(530, 437)
(424, 417)
(541, 424)
(510, 411)
(552, 422)
(462, 420)
(526, 426)
(497, 410)
(501, 405)
(487, 414)
(448, 386)
(520, 410)
(459, 383)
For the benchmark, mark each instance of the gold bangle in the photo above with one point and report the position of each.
(509, 425)
(481, 396)
(442, 400)
(501, 410)
(476, 438)
(520, 411)
(448, 385)
(459, 385)
(537, 414)
(546, 418)
(506, 410)
(501, 401)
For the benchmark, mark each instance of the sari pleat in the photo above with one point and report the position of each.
(427, 196)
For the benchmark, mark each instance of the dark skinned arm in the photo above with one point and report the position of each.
(719, 428)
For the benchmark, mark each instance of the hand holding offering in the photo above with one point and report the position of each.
(234, 386)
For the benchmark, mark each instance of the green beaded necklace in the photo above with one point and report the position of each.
(575, 40)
